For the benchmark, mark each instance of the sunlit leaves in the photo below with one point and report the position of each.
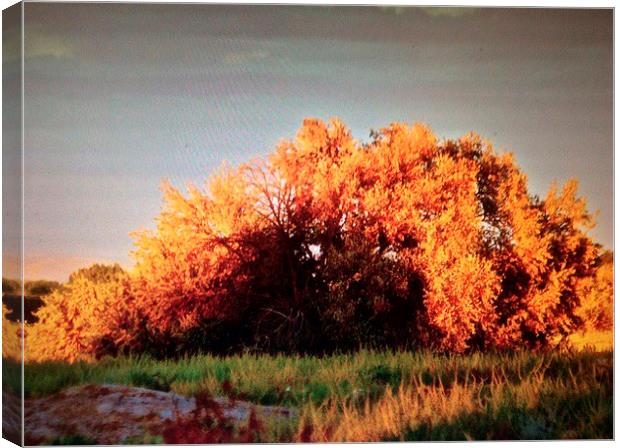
(90, 310)
(331, 244)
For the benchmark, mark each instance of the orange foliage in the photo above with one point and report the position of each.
(331, 244)
(452, 225)
(11, 337)
(79, 319)
(597, 297)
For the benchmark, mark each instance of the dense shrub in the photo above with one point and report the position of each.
(11, 337)
(87, 317)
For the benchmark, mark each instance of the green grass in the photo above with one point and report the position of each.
(426, 396)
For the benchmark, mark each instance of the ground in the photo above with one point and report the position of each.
(363, 396)
(113, 414)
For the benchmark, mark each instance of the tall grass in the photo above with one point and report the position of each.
(370, 395)
(538, 405)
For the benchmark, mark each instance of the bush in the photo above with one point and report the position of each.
(11, 337)
(89, 316)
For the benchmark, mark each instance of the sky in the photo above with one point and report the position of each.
(119, 97)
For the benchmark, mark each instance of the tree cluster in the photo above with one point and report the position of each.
(329, 244)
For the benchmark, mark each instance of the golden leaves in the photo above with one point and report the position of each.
(447, 231)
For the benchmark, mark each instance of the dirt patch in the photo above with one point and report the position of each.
(112, 414)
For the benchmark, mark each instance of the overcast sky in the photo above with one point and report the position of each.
(119, 96)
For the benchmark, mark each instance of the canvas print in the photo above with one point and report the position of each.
(304, 223)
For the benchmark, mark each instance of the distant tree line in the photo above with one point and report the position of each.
(33, 291)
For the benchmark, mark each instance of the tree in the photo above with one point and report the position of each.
(328, 244)
(438, 242)
(84, 318)
(596, 309)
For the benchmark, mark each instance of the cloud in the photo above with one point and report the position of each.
(396, 10)
(38, 46)
(242, 57)
(446, 11)
(433, 11)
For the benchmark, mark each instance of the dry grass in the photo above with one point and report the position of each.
(538, 406)
(374, 396)
(597, 340)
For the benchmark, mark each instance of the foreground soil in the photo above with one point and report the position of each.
(113, 414)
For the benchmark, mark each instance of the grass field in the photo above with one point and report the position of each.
(372, 396)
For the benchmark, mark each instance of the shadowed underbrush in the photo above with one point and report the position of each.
(371, 396)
